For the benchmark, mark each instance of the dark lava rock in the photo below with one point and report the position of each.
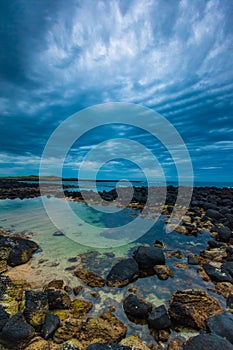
(92, 279)
(123, 273)
(229, 301)
(108, 346)
(213, 214)
(58, 299)
(17, 332)
(224, 234)
(159, 318)
(192, 307)
(216, 274)
(221, 325)
(193, 259)
(227, 267)
(4, 317)
(136, 308)
(207, 342)
(35, 307)
(213, 244)
(21, 249)
(148, 257)
(51, 323)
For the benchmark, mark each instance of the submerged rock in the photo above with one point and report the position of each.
(207, 342)
(137, 309)
(92, 279)
(17, 332)
(123, 273)
(163, 272)
(192, 307)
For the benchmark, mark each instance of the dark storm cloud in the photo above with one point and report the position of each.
(57, 57)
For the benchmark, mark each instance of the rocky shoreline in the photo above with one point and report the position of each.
(55, 317)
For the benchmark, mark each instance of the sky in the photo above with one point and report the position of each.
(174, 57)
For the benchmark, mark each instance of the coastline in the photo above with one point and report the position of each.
(210, 210)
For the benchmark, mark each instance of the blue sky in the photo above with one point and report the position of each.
(175, 57)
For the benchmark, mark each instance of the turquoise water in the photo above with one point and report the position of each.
(59, 255)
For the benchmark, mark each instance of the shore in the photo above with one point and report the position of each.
(56, 316)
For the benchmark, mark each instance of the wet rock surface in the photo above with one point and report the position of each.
(137, 309)
(193, 307)
(92, 279)
(123, 273)
(221, 325)
(207, 342)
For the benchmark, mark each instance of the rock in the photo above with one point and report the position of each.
(35, 307)
(163, 272)
(17, 332)
(20, 249)
(224, 288)
(107, 346)
(4, 317)
(174, 254)
(72, 344)
(229, 301)
(227, 267)
(123, 273)
(213, 214)
(106, 328)
(135, 343)
(181, 266)
(159, 318)
(136, 309)
(216, 274)
(221, 325)
(193, 259)
(38, 343)
(51, 323)
(58, 299)
(175, 344)
(57, 284)
(203, 274)
(68, 329)
(192, 307)
(148, 257)
(159, 244)
(224, 234)
(207, 342)
(163, 335)
(77, 290)
(81, 307)
(216, 254)
(3, 266)
(92, 279)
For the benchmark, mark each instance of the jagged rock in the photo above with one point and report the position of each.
(135, 343)
(137, 309)
(69, 328)
(216, 274)
(17, 332)
(56, 284)
(35, 307)
(192, 307)
(106, 328)
(51, 324)
(216, 254)
(221, 325)
(148, 257)
(123, 273)
(77, 289)
(4, 317)
(207, 342)
(224, 288)
(163, 272)
(159, 318)
(92, 279)
(58, 299)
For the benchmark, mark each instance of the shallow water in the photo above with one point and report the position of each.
(59, 255)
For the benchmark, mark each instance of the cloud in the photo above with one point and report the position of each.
(174, 56)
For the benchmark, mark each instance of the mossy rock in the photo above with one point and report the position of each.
(3, 266)
(81, 307)
(38, 343)
(16, 289)
(4, 253)
(106, 328)
(68, 330)
(134, 342)
(11, 305)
